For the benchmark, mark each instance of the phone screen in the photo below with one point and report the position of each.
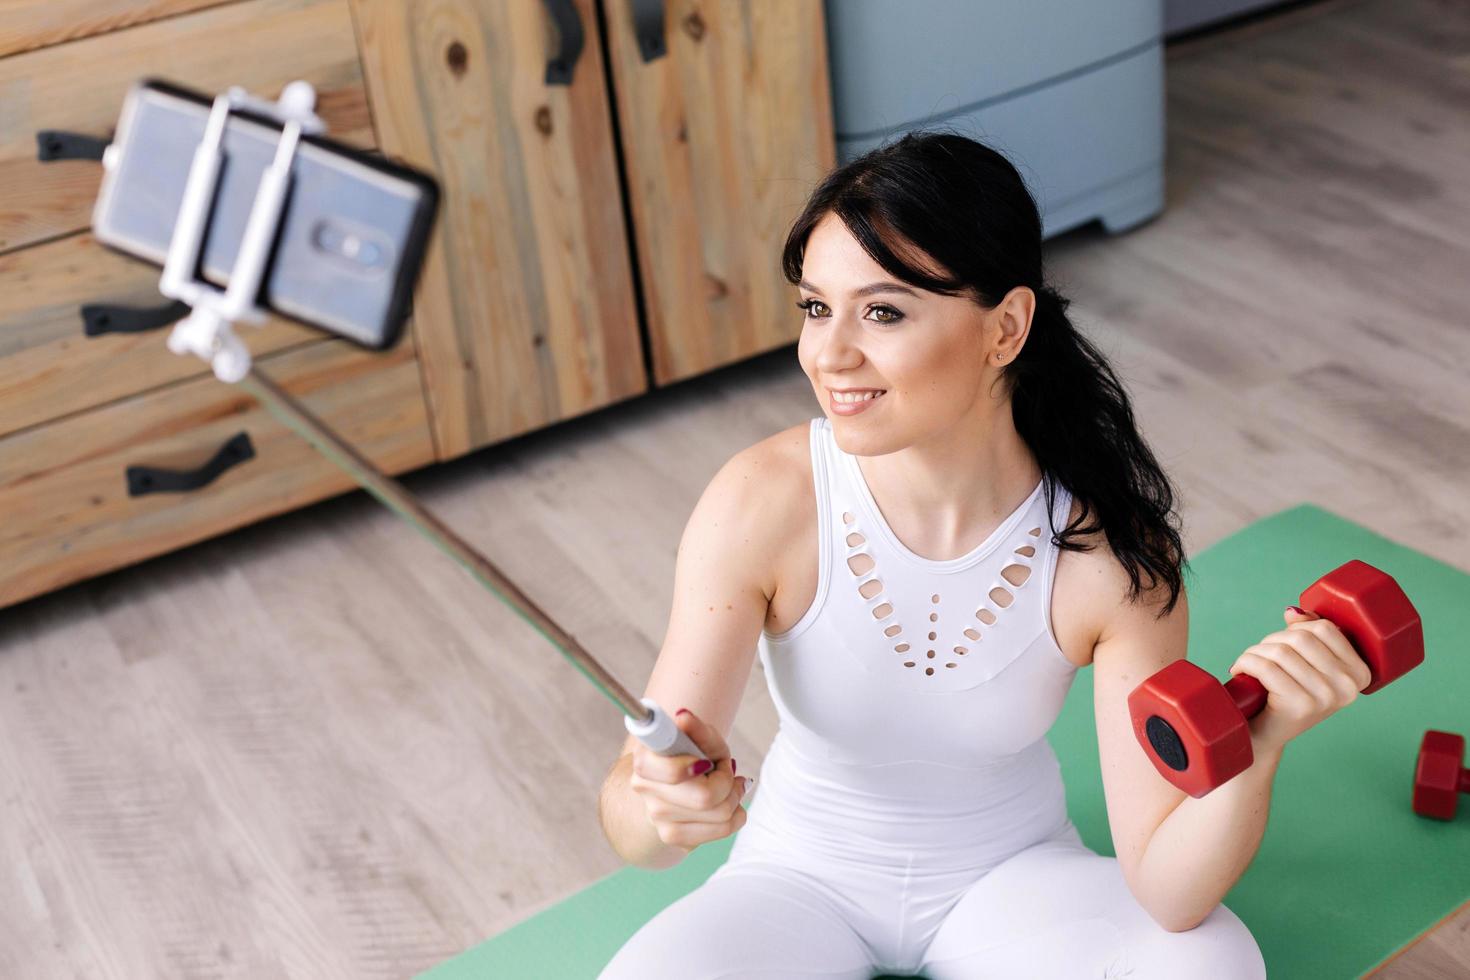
(351, 239)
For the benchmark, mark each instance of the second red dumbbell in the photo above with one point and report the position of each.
(1439, 778)
(1194, 728)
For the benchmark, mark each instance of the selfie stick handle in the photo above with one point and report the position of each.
(206, 332)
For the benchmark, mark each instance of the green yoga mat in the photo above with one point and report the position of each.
(1346, 875)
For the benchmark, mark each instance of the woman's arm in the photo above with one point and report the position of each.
(1133, 643)
(1181, 855)
(625, 821)
(723, 582)
(1203, 847)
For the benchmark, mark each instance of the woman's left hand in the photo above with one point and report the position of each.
(1309, 671)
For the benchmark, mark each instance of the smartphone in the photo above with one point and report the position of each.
(352, 236)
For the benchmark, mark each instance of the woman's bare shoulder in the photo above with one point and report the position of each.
(785, 493)
(785, 457)
(1096, 587)
(1081, 591)
(778, 460)
(792, 446)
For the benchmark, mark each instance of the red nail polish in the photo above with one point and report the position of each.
(681, 711)
(1298, 610)
(732, 766)
(701, 767)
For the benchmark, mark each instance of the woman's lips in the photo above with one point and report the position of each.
(852, 408)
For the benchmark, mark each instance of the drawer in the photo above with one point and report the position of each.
(37, 23)
(79, 87)
(49, 369)
(64, 492)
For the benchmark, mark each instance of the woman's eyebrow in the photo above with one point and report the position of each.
(875, 287)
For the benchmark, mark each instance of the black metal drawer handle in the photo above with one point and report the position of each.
(100, 318)
(57, 144)
(148, 479)
(648, 28)
(569, 27)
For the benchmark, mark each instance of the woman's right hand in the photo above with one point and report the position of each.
(690, 810)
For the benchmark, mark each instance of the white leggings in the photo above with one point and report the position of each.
(1056, 909)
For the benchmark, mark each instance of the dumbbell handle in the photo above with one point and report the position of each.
(1248, 694)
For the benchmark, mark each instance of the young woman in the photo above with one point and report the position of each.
(987, 522)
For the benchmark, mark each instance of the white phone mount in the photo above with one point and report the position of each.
(208, 329)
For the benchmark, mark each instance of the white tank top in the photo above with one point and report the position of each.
(918, 692)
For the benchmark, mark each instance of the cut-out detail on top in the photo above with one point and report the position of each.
(1021, 574)
(926, 661)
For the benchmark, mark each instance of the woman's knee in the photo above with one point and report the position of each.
(673, 941)
(1219, 948)
(749, 923)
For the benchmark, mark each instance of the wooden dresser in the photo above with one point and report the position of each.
(616, 192)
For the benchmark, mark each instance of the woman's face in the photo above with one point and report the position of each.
(926, 351)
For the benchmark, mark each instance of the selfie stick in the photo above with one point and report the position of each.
(208, 333)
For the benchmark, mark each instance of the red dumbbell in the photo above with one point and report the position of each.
(1439, 779)
(1194, 728)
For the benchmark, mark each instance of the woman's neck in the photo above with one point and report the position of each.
(952, 489)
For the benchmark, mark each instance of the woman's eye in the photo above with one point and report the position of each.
(889, 314)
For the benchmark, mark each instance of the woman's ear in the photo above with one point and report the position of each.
(1014, 316)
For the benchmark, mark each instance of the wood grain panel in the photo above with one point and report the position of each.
(63, 490)
(525, 311)
(79, 87)
(49, 369)
(313, 749)
(31, 24)
(724, 138)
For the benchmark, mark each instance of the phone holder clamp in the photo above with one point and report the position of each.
(208, 329)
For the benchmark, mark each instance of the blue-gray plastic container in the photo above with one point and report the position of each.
(1071, 91)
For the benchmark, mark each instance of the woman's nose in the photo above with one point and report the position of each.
(835, 359)
(839, 348)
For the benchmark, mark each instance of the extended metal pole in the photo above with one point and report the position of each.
(398, 499)
(207, 332)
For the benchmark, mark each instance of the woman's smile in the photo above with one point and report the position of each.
(853, 403)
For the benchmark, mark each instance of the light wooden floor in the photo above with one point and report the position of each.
(316, 748)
